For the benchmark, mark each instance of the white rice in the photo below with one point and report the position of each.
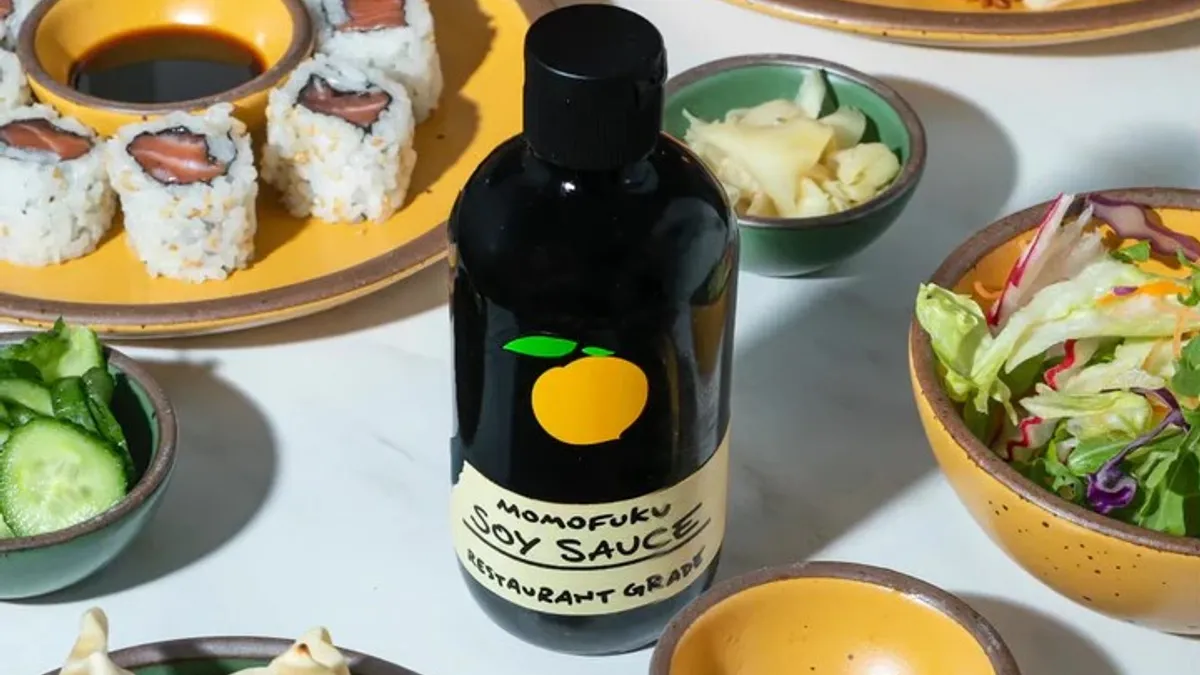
(14, 89)
(10, 27)
(327, 167)
(408, 54)
(52, 210)
(197, 231)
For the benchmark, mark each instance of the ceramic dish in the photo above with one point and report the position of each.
(830, 618)
(226, 655)
(791, 247)
(33, 566)
(1120, 570)
(982, 23)
(61, 33)
(300, 266)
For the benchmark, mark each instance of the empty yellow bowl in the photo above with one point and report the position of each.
(831, 619)
(58, 35)
(1120, 570)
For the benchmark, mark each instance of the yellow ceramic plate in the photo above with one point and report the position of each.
(305, 267)
(982, 23)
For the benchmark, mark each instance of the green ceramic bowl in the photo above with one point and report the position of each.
(33, 566)
(787, 247)
(225, 656)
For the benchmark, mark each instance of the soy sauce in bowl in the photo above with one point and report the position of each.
(166, 64)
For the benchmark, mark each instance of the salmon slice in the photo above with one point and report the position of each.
(175, 156)
(6, 8)
(40, 135)
(361, 109)
(371, 15)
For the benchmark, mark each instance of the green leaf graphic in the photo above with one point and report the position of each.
(542, 346)
(597, 351)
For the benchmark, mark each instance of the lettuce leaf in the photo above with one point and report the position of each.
(1070, 310)
(1123, 372)
(1090, 415)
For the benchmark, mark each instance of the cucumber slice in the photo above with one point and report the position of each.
(54, 475)
(12, 368)
(5, 431)
(84, 352)
(110, 430)
(32, 395)
(3, 412)
(71, 403)
(19, 414)
(5, 533)
(100, 385)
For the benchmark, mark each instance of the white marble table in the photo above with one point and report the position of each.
(296, 505)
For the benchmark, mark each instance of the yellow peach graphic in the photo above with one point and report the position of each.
(591, 400)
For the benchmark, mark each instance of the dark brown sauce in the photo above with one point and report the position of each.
(166, 65)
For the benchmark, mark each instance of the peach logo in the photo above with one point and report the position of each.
(591, 400)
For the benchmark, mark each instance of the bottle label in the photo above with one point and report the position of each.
(594, 558)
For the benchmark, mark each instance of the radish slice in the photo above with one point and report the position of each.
(1032, 433)
(1137, 221)
(1032, 259)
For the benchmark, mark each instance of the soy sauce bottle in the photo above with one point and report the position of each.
(593, 286)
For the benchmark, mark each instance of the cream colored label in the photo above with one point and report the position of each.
(593, 558)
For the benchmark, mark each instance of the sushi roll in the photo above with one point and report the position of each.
(188, 186)
(12, 15)
(339, 142)
(14, 89)
(395, 36)
(56, 202)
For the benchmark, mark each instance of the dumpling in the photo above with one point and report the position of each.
(312, 654)
(89, 656)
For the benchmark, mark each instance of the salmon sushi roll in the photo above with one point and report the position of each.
(188, 188)
(339, 142)
(14, 89)
(395, 36)
(56, 202)
(12, 15)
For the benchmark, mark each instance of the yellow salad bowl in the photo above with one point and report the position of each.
(829, 617)
(56, 36)
(1126, 572)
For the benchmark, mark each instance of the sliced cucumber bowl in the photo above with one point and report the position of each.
(87, 443)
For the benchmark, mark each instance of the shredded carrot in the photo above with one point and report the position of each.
(985, 293)
(1181, 317)
(1155, 288)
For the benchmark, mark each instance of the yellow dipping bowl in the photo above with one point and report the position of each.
(1126, 572)
(830, 618)
(57, 35)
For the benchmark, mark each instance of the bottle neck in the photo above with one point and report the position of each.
(628, 175)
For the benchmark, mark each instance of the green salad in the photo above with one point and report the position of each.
(1083, 371)
(63, 455)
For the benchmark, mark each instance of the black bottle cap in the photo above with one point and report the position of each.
(593, 87)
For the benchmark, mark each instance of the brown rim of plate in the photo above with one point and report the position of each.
(909, 173)
(300, 46)
(946, 603)
(151, 481)
(962, 260)
(240, 648)
(1001, 22)
(407, 257)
